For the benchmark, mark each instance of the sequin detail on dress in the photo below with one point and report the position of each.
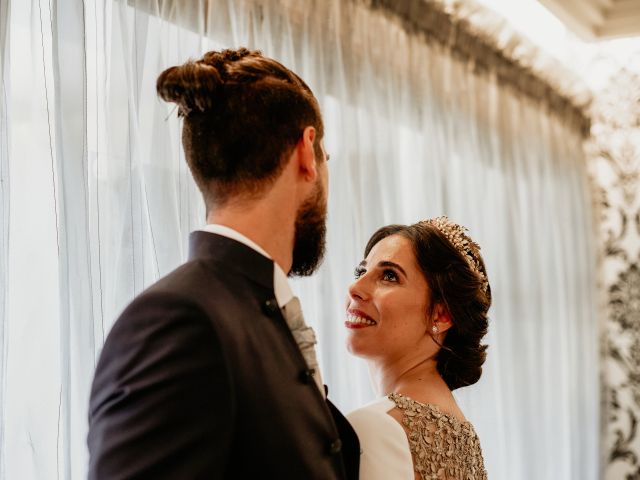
(443, 447)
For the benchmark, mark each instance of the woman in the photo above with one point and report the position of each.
(417, 313)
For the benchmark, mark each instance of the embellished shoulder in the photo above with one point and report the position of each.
(443, 447)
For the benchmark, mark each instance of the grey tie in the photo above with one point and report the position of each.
(305, 338)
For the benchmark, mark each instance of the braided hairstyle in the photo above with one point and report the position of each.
(464, 293)
(243, 115)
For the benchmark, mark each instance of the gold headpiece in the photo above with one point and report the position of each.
(456, 234)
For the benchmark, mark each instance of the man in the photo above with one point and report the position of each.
(211, 372)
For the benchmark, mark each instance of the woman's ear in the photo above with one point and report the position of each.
(441, 319)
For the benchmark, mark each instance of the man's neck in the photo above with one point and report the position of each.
(271, 228)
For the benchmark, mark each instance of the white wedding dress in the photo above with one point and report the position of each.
(384, 446)
(444, 448)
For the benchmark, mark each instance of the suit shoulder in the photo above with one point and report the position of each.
(162, 303)
(206, 279)
(188, 277)
(158, 315)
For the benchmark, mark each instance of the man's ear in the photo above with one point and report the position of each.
(306, 154)
(442, 319)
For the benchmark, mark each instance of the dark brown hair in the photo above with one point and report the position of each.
(460, 290)
(243, 115)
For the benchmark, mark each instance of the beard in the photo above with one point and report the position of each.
(310, 234)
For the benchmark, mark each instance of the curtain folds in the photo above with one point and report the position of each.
(100, 204)
(4, 212)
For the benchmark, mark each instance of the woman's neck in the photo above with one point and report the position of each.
(418, 379)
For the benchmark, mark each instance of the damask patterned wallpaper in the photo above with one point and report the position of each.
(614, 152)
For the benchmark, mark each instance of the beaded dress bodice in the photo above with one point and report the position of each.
(442, 447)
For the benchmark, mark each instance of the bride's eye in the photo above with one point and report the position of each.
(389, 276)
(358, 272)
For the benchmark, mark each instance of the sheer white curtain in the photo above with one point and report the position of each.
(96, 204)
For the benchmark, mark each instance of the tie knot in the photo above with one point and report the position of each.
(293, 313)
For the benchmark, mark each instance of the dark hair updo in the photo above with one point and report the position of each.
(463, 292)
(243, 115)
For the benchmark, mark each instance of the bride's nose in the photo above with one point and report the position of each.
(358, 289)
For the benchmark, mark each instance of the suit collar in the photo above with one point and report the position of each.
(233, 234)
(234, 254)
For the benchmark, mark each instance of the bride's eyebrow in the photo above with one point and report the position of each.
(392, 265)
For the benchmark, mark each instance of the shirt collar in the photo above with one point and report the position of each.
(281, 287)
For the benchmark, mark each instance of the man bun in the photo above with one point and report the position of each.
(192, 86)
(195, 84)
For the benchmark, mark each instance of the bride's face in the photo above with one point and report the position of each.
(387, 304)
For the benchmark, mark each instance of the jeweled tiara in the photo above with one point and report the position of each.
(456, 234)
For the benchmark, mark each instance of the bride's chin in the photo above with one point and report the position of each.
(355, 348)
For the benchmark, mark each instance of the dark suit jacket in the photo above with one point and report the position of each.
(200, 378)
